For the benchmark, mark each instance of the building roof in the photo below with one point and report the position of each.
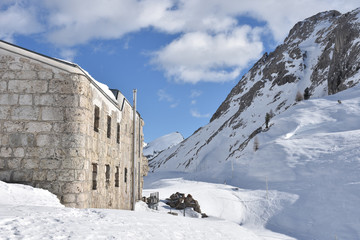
(60, 64)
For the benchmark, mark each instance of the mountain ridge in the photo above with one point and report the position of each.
(155, 147)
(310, 148)
(313, 56)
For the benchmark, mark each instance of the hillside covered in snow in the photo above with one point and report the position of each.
(311, 147)
(160, 144)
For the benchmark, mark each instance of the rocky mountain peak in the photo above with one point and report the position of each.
(331, 33)
(320, 55)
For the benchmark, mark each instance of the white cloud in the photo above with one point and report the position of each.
(199, 56)
(195, 93)
(18, 18)
(78, 22)
(164, 96)
(196, 114)
(214, 45)
(68, 54)
(174, 105)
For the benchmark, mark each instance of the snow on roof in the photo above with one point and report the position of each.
(103, 86)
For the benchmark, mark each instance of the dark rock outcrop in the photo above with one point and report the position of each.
(179, 201)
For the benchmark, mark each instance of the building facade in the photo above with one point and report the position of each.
(63, 131)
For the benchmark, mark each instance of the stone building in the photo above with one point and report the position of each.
(65, 132)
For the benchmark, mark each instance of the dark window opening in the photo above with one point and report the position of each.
(117, 177)
(118, 133)
(108, 126)
(96, 119)
(125, 175)
(107, 173)
(94, 175)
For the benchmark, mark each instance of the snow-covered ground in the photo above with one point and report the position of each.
(28, 213)
(250, 209)
(309, 159)
(312, 151)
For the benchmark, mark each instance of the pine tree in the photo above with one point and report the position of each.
(256, 144)
(267, 119)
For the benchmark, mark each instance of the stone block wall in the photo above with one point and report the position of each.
(47, 136)
(38, 132)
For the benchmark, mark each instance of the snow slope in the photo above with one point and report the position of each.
(315, 51)
(28, 213)
(249, 208)
(311, 150)
(160, 144)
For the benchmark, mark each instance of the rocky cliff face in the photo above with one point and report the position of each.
(320, 55)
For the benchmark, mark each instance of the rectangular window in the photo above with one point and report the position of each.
(96, 119)
(118, 133)
(125, 175)
(108, 126)
(117, 177)
(107, 173)
(94, 175)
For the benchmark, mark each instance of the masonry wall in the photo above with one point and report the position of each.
(47, 136)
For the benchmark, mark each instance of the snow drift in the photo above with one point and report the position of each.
(29, 213)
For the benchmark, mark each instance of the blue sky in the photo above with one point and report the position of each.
(183, 56)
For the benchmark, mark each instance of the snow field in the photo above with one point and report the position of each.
(310, 151)
(29, 213)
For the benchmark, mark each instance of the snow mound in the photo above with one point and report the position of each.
(17, 194)
(249, 208)
(29, 213)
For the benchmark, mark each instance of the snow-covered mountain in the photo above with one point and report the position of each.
(311, 147)
(162, 143)
(321, 53)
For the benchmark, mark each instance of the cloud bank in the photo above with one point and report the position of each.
(214, 44)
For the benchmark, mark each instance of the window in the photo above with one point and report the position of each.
(94, 175)
(118, 133)
(107, 173)
(125, 175)
(117, 177)
(96, 119)
(108, 126)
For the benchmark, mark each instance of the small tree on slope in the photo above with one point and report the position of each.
(256, 144)
(267, 119)
(307, 93)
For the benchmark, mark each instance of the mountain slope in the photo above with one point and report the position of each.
(321, 53)
(310, 148)
(160, 144)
